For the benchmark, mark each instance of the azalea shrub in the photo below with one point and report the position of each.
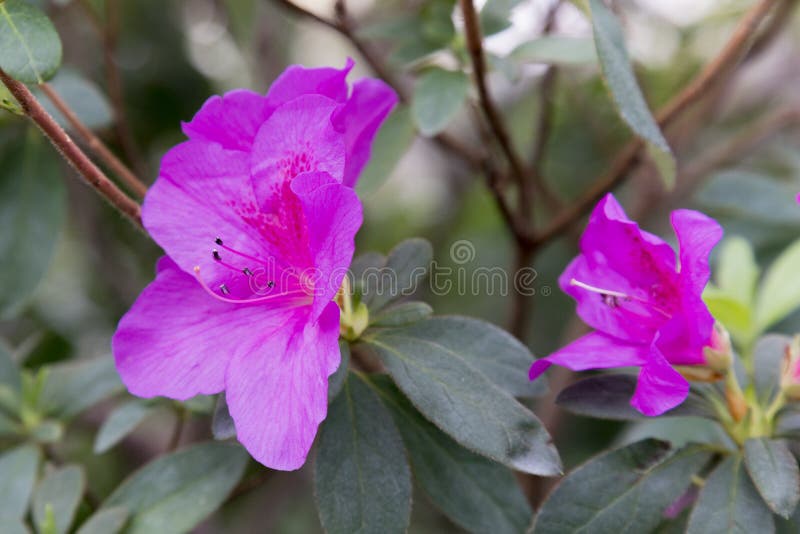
(431, 266)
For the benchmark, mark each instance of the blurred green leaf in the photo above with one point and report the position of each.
(729, 503)
(18, 468)
(222, 425)
(108, 521)
(406, 265)
(768, 357)
(9, 372)
(775, 473)
(434, 368)
(477, 494)
(392, 142)
(621, 80)
(122, 421)
(14, 526)
(30, 49)
(362, 479)
(625, 490)
(176, 492)
(82, 96)
(60, 491)
(495, 16)
(74, 386)
(401, 314)
(32, 206)
(737, 271)
(438, 97)
(750, 196)
(337, 379)
(48, 431)
(779, 294)
(556, 50)
(736, 317)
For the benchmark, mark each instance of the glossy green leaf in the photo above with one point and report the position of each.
(176, 492)
(30, 49)
(405, 267)
(730, 504)
(18, 469)
(121, 422)
(556, 50)
(401, 314)
(436, 370)
(737, 271)
(390, 145)
(477, 494)
(32, 207)
(337, 379)
(72, 387)
(621, 81)
(222, 425)
(774, 471)
(82, 96)
(438, 97)
(108, 521)
(361, 476)
(779, 294)
(609, 397)
(622, 491)
(61, 491)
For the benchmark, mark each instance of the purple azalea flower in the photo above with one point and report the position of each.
(646, 307)
(257, 216)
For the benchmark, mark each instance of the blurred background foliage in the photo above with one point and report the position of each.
(71, 266)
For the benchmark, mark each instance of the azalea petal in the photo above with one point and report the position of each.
(697, 234)
(593, 351)
(660, 387)
(176, 341)
(360, 117)
(278, 395)
(333, 214)
(297, 138)
(232, 120)
(682, 338)
(297, 80)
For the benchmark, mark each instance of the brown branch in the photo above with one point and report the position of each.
(94, 143)
(67, 147)
(631, 154)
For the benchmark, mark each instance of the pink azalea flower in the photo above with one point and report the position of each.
(645, 306)
(257, 215)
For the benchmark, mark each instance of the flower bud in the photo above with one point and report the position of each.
(790, 377)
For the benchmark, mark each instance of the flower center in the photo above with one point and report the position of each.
(613, 299)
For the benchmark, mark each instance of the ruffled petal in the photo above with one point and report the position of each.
(697, 234)
(660, 387)
(681, 340)
(176, 341)
(593, 351)
(297, 138)
(298, 80)
(278, 395)
(333, 215)
(359, 118)
(232, 120)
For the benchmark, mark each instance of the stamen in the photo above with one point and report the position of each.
(215, 254)
(611, 298)
(604, 292)
(247, 272)
(306, 300)
(218, 241)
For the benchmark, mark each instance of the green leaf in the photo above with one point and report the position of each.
(622, 491)
(406, 265)
(222, 425)
(121, 422)
(9, 371)
(82, 96)
(730, 504)
(361, 477)
(737, 271)
(751, 197)
(18, 469)
(176, 492)
(60, 491)
(477, 494)
(737, 318)
(768, 356)
(438, 96)
(32, 207)
(434, 368)
(14, 526)
(621, 81)
(780, 291)
(337, 379)
(774, 470)
(108, 521)
(402, 314)
(30, 49)
(390, 145)
(74, 386)
(609, 397)
(556, 50)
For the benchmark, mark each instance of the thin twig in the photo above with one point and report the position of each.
(631, 154)
(94, 143)
(71, 152)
